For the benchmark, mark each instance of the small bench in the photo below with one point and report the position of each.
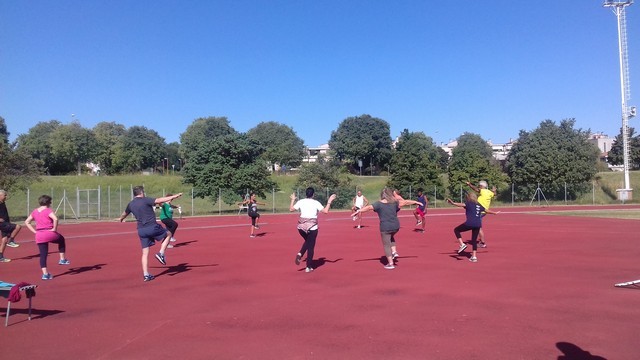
(5, 291)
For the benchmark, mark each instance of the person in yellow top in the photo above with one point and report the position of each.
(484, 198)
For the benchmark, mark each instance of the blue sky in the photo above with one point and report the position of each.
(442, 67)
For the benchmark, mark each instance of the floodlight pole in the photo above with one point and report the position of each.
(618, 8)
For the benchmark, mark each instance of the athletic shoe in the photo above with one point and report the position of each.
(355, 218)
(64, 262)
(148, 278)
(169, 246)
(4, 259)
(483, 244)
(395, 255)
(389, 267)
(47, 277)
(252, 236)
(308, 270)
(173, 239)
(359, 227)
(160, 258)
(462, 247)
(256, 227)
(13, 244)
(419, 222)
(298, 257)
(473, 259)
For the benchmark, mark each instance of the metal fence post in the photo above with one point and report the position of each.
(435, 196)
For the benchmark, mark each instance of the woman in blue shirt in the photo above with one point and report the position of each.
(473, 212)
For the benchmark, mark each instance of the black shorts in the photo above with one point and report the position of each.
(7, 228)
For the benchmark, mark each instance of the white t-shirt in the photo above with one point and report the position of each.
(360, 201)
(309, 209)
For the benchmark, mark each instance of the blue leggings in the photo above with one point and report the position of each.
(44, 250)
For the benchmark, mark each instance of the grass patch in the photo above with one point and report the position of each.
(632, 214)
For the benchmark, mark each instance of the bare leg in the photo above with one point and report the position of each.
(3, 244)
(145, 261)
(165, 243)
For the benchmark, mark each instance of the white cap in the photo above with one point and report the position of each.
(483, 184)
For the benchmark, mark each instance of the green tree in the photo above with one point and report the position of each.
(442, 159)
(36, 144)
(415, 160)
(363, 138)
(326, 177)
(202, 131)
(139, 148)
(616, 157)
(552, 156)
(228, 164)
(173, 157)
(17, 168)
(107, 135)
(282, 145)
(472, 160)
(74, 144)
(4, 133)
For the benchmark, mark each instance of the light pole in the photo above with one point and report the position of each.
(180, 164)
(618, 8)
(166, 161)
(173, 168)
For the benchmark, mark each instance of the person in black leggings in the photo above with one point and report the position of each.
(308, 223)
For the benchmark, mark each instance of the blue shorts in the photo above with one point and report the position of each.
(150, 234)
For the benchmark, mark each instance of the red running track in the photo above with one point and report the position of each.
(543, 289)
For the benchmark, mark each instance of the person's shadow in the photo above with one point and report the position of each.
(181, 268)
(82, 269)
(574, 352)
(183, 243)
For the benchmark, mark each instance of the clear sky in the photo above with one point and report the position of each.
(442, 67)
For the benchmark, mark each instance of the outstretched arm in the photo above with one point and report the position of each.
(455, 203)
(409, 202)
(331, 198)
(473, 187)
(167, 198)
(364, 209)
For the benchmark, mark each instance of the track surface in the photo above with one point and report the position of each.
(543, 289)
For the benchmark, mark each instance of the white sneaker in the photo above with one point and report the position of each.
(173, 239)
(355, 218)
(462, 247)
(395, 255)
(389, 267)
(308, 270)
(169, 246)
(473, 259)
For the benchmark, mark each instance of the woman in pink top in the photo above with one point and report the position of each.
(46, 232)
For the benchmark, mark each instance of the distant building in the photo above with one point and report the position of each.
(313, 152)
(499, 151)
(604, 143)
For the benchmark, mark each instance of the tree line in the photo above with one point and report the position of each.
(212, 155)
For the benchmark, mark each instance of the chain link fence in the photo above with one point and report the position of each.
(107, 203)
